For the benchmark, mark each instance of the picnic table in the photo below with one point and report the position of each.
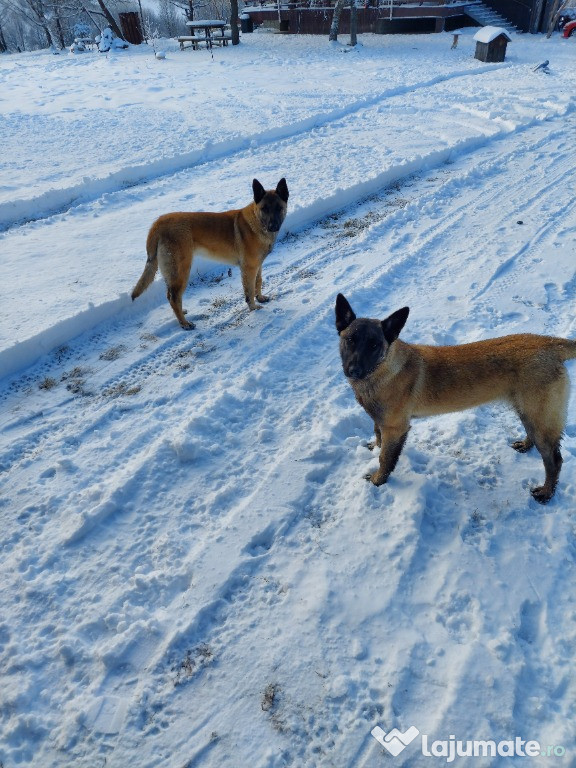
(206, 32)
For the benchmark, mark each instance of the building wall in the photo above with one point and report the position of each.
(405, 19)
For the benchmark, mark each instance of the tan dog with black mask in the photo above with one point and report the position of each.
(394, 381)
(242, 238)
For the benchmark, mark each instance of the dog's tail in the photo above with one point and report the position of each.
(151, 265)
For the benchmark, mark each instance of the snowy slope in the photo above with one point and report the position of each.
(195, 572)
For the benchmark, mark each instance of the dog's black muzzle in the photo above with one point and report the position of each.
(354, 372)
(358, 369)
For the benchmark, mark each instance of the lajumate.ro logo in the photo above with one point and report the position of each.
(396, 741)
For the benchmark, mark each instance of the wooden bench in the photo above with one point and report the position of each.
(194, 40)
(197, 40)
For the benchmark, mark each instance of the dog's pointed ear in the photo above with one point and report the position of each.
(394, 324)
(258, 190)
(344, 313)
(282, 190)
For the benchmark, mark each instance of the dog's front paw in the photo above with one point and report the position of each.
(188, 326)
(522, 446)
(376, 478)
(541, 495)
(263, 299)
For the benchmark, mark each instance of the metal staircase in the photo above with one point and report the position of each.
(486, 16)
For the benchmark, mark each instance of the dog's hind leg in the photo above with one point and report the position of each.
(175, 272)
(545, 421)
(174, 296)
(552, 459)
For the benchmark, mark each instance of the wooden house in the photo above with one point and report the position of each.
(390, 16)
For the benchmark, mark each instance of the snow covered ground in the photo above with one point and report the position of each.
(194, 571)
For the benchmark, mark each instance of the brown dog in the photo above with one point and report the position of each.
(242, 237)
(394, 381)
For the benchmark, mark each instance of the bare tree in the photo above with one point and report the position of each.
(188, 6)
(170, 20)
(36, 14)
(335, 26)
(109, 18)
(15, 32)
(211, 9)
(21, 34)
(3, 44)
(353, 23)
(150, 30)
(90, 10)
(56, 17)
(90, 13)
(29, 24)
(219, 9)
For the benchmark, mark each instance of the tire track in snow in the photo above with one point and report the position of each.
(560, 179)
(227, 578)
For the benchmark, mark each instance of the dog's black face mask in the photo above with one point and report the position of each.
(272, 212)
(362, 348)
(364, 343)
(271, 204)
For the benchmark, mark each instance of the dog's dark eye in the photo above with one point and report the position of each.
(375, 345)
